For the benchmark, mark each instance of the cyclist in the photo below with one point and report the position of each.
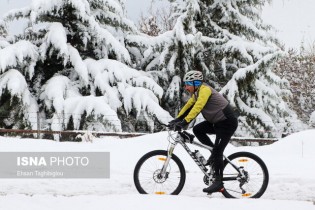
(220, 120)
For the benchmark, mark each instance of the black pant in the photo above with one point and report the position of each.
(223, 130)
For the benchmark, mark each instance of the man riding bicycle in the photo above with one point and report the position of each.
(220, 120)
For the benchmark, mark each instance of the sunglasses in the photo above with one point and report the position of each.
(191, 83)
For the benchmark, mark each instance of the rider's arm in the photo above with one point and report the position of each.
(186, 109)
(203, 96)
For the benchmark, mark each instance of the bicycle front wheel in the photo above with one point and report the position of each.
(249, 181)
(147, 174)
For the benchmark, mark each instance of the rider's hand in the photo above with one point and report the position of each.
(180, 125)
(173, 122)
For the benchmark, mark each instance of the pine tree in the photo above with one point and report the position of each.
(149, 26)
(17, 105)
(299, 70)
(82, 77)
(248, 57)
(3, 30)
(230, 44)
(157, 20)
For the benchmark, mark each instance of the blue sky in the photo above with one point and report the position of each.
(294, 19)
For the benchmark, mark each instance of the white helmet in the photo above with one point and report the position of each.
(192, 76)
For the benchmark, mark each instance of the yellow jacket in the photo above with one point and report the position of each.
(207, 101)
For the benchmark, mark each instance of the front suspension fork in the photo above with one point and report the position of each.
(170, 151)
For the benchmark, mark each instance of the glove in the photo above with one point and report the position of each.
(173, 122)
(180, 125)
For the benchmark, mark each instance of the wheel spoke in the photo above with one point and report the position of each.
(148, 178)
(252, 179)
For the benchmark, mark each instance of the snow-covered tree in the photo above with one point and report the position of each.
(78, 71)
(17, 105)
(158, 19)
(3, 29)
(228, 41)
(299, 70)
(149, 26)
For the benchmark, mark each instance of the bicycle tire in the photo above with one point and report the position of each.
(157, 188)
(249, 161)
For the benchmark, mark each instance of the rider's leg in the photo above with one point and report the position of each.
(218, 164)
(201, 130)
(220, 145)
(224, 131)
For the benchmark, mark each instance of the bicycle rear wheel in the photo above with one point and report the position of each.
(252, 182)
(147, 177)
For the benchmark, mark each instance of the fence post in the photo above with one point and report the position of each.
(38, 126)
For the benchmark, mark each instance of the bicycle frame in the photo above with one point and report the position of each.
(180, 140)
(162, 172)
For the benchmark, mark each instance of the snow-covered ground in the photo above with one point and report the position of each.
(290, 162)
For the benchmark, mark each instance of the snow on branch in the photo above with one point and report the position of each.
(116, 72)
(143, 100)
(104, 36)
(20, 54)
(61, 95)
(56, 90)
(173, 88)
(3, 43)
(15, 83)
(256, 113)
(17, 13)
(112, 5)
(42, 7)
(231, 89)
(96, 107)
(146, 41)
(120, 83)
(39, 9)
(56, 39)
(78, 64)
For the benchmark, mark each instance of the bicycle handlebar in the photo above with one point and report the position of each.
(171, 127)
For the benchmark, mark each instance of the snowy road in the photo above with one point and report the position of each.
(123, 202)
(291, 186)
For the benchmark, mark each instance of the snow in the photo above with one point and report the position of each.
(56, 37)
(290, 162)
(15, 83)
(78, 64)
(112, 71)
(56, 90)
(16, 54)
(143, 202)
(93, 106)
(102, 28)
(144, 100)
(105, 36)
(173, 88)
(39, 7)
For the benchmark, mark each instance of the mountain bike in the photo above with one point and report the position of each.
(245, 175)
